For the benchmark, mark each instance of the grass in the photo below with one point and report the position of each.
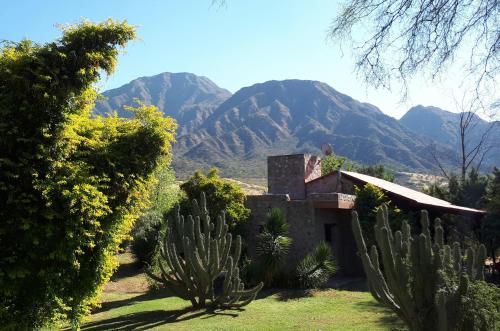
(128, 306)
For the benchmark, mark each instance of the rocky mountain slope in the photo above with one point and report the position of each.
(237, 132)
(190, 99)
(282, 117)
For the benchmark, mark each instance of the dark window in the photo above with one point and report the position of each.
(329, 230)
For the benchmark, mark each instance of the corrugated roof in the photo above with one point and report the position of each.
(409, 194)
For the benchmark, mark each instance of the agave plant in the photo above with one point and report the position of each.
(317, 267)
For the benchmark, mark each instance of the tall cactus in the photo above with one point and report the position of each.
(422, 281)
(201, 266)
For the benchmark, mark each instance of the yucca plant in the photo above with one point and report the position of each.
(317, 267)
(273, 245)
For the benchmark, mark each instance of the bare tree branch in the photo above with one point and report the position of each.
(399, 38)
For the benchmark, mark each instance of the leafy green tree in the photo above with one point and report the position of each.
(71, 184)
(333, 163)
(473, 190)
(469, 192)
(222, 196)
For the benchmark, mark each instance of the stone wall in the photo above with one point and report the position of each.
(299, 215)
(307, 229)
(325, 184)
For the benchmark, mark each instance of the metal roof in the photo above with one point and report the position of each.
(407, 193)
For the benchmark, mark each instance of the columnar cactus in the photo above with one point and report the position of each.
(200, 266)
(422, 281)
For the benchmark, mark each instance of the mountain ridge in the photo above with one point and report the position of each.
(236, 132)
(189, 98)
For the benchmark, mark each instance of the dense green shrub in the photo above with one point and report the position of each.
(317, 267)
(149, 228)
(222, 196)
(71, 185)
(481, 307)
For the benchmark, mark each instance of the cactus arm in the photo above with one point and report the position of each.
(376, 280)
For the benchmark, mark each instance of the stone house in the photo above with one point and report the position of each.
(319, 207)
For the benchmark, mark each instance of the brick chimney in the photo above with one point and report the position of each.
(288, 174)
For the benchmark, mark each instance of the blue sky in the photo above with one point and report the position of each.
(240, 44)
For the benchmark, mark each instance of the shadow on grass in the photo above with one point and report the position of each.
(149, 319)
(284, 294)
(151, 295)
(389, 318)
(127, 270)
(346, 283)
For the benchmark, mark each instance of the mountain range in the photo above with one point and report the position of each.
(236, 132)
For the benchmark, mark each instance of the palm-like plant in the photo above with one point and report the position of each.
(273, 245)
(316, 268)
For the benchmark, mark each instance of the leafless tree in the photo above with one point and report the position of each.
(473, 152)
(475, 144)
(399, 38)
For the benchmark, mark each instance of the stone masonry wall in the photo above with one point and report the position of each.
(306, 226)
(299, 215)
(327, 184)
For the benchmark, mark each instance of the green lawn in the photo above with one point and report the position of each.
(288, 310)
(128, 306)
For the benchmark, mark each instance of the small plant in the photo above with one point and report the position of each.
(316, 268)
(422, 281)
(197, 263)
